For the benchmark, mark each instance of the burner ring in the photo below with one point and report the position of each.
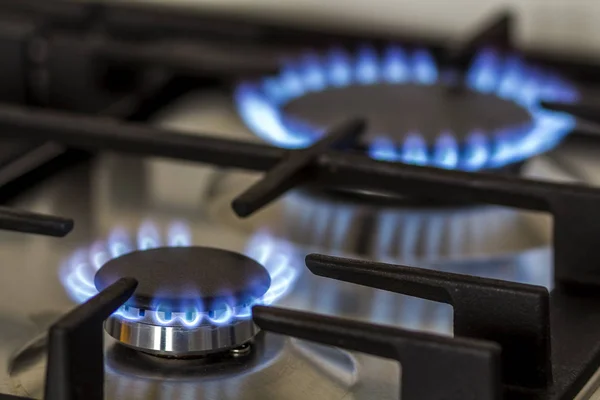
(178, 341)
(186, 319)
(261, 105)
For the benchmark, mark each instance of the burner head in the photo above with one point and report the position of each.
(190, 301)
(176, 278)
(412, 116)
(403, 110)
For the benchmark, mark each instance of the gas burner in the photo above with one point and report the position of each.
(190, 301)
(208, 290)
(403, 95)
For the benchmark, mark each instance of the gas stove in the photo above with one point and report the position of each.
(235, 242)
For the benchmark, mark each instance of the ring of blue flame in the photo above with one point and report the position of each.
(508, 77)
(77, 274)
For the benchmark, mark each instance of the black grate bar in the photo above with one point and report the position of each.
(93, 133)
(28, 222)
(433, 367)
(585, 112)
(295, 169)
(220, 59)
(512, 314)
(356, 171)
(575, 350)
(180, 53)
(497, 32)
(75, 369)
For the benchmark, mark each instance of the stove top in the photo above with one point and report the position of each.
(206, 264)
(195, 215)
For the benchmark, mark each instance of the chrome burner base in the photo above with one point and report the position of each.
(181, 341)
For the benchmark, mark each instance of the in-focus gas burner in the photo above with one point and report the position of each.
(190, 301)
(412, 117)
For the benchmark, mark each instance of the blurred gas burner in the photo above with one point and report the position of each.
(413, 117)
(190, 301)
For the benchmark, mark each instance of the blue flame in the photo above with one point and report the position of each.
(192, 318)
(446, 152)
(395, 68)
(414, 150)
(221, 317)
(339, 71)
(367, 67)
(179, 235)
(148, 236)
(425, 70)
(276, 257)
(77, 275)
(508, 77)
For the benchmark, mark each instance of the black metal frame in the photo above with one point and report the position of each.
(496, 33)
(75, 367)
(295, 168)
(511, 314)
(28, 222)
(433, 367)
(585, 112)
(512, 341)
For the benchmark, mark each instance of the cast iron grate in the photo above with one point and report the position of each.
(512, 341)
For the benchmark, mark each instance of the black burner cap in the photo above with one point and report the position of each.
(394, 111)
(179, 277)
